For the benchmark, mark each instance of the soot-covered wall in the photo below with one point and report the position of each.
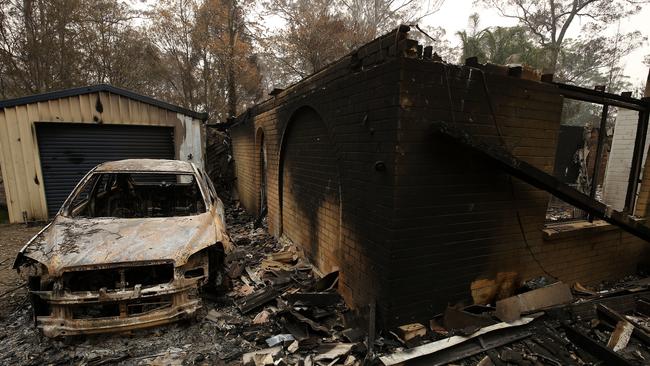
(357, 177)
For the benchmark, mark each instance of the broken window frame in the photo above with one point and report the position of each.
(607, 100)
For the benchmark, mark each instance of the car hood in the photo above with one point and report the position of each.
(97, 242)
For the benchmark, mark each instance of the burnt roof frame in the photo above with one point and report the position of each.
(602, 97)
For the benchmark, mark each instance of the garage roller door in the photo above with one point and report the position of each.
(68, 151)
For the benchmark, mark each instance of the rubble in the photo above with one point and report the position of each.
(511, 308)
(410, 331)
(333, 351)
(579, 327)
(261, 357)
(636, 328)
(287, 314)
(430, 348)
(256, 299)
(293, 302)
(278, 339)
(620, 336)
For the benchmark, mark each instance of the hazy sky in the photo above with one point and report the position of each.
(453, 15)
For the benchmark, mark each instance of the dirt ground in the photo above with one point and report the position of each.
(12, 239)
(190, 342)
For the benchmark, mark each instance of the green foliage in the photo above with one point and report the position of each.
(498, 45)
(540, 40)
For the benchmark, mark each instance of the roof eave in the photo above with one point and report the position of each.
(101, 88)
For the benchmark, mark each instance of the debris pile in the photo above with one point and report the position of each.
(274, 308)
(285, 304)
(547, 324)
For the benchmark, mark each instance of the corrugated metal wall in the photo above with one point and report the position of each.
(19, 154)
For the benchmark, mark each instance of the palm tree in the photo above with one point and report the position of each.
(472, 41)
(499, 45)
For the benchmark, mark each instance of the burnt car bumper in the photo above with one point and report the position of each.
(56, 326)
(93, 308)
(86, 313)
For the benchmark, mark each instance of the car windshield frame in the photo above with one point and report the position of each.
(65, 209)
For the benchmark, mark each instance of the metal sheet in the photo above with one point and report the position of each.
(88, 243)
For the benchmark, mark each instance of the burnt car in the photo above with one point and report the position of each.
(131, 247)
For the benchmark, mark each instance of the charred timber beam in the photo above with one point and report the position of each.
(542, 180)
(600, 97)
(602, 132)
(616, 317)
(594, 348)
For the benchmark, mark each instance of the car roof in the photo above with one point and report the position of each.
(146, 165)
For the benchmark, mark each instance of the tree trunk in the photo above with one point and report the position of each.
(231, 77)
(551, 66)
(30, 46)
(232, 88)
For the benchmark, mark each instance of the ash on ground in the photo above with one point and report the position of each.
(271, 299)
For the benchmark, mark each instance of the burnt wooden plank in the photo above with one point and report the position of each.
(596, 349)
(473, 347)
(643, 307)
(599, 149)
(314, 298)
(600, 97)
(620, 301)
(256, 299)
(616, 317)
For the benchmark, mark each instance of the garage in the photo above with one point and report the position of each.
(49, 141)
(69, 151)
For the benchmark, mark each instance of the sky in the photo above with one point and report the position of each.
(453, 16)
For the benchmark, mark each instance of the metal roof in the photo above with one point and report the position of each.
(100, 88)
(146, 165)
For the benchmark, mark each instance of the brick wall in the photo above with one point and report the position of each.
(357, 178)
(311, 187)
(244, 153)
(324, 138)
(457, 215)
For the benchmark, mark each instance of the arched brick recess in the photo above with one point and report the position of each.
(310, 189)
